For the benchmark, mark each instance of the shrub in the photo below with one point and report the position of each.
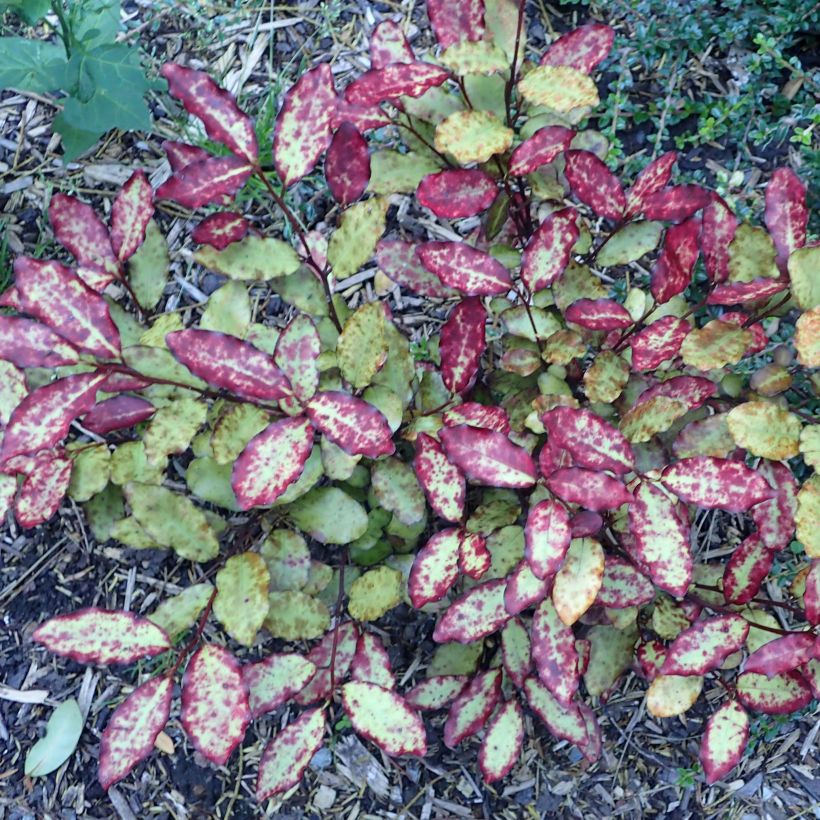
(604, 375)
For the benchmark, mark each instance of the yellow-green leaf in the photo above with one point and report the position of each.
(475, 57)
(751, 255)
(296, 616)
(148, 267)
(392, 172)
(362, 346)
(473, 136)
(765, 429)
(354, 241)
(374, 593)
(90, 472)
(716, 344)
(228, 310)
(255, 259)
(172, 428)
(804, 271)
(560, 88)
(241, 601)
(179, 613)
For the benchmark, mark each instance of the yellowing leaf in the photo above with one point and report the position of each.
(148, 267)
(296, 616)
(179, 613)
(716, 344)
(606, 378)
(653, 416)
(90, 472)
(228, 310)
(354, 241)
(629, 244)
(751, 255)
(560, 88)
(255, 259)
(810, 445)
(807, 516)
(241, 602)
(804, 264)
(288, 560)
(374, 593)
(392, 172)
(473, 136)
(579, 579)
(362, 346)
(807, 338)
(765, 429)
(475, 57)
(172, 428)
(671, 695)
(398, 491)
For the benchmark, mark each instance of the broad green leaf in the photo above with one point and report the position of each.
(32, 11)
(303, 290)
(375, 593)
(148, 267)
(90, 472)
(630, 243)
(228, 310)
(255, 259)
(338, 464)
(129, 463)
(241, 602)
(362, 346)
(297, 350)
(560, 88)
(211, 481)
(473, 136)
(102, 511)
(716, 344)
(577, 282)
(398, 371)
(392, 172)
(810, 446)
(128, 532)
(63, 732)
(765, 429)
(32, 65)
(177, 614)
(671, 695)
(388, 402)
(455, 659)
(398, 491)
(803, 266)
(172, 428)
(517, 322)
(329, 515)
(609, 657)
(158, 363)
(751, 255)
(234, 429)
(486, 92)
(296, 616)
(288, 560)
(354, 241)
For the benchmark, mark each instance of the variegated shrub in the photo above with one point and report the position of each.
(534, 477)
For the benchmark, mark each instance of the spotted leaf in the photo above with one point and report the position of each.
(778, 695)
(356, 426)
(774, 518)
(546, 537)
(478, 415)
(541, 148)
(26, 343)
(117, 413)
(705, 645)
(673, 270)
(389, 45)
(782, 654)
(564, 721)
(436, 692)
(401, 263)
(488, 457)
(462, 344)
(724, 740)
(443, 483)
(623, 585)
(479, 612)
(554, 653)
(470, 710)
(578, 580)
(591, 489)
(42, 491)
(221, 229)
(394, 80)
(716, 483)
(272, 681)
(457, 193)
(658, 342)
(786, 214)
(384, 717)
(594, 184)
(736, 293)
(208, 181)
(671, 695)
(131, 212)
(466, 269)
(297, 349)
(651, 179)
(582, 48)
(717, 231)
(765, 429)
(456, 20)
(241, 601)
(371, 662)
(676, 203)
(472, 136)
(502, 742)
(560, 88)
(347, 164)
(598, 314)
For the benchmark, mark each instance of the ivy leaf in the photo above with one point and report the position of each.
(63, 730)
(724, 740)
(33, 65)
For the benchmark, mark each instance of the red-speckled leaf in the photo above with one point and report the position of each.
(661, 540)
(811, 596)
(650, 656)
(488, 457)
(181, 154)
(221, 229)
(271, 462)
(717, 232)
(585, 523)
(229, 363)
(653, 177)
(724, 741)
(364, 117)
(676, 203)
(56, 296)
(739, 318)
(394, 80)
(208, 181)
(782, 654)
(479, 612)
(215, 106)
(577, 583)
(457, 193)
(215, 711)
(296, 351)
(693, 391)
(288, 754)
(546, 537)
(117, 413)
(746, 570)
(43, 490)
(811, 674)
(382, 716)
(502, 742)
(26, 343)
(102, 636)
(542, 147)
(474, 558)
(582, 48)
(435, 568)
(304, 125)
(347, 164)
(658, 342)
(470, 710)
(774, 519)
(456, 20)
(554, 653)
(129, 736)
(516, 651)
(524, 589)
(345, 640)
(705, 645)
(131, 212)
(9, 298)
(591, 489)
(462, 344)
(389, 45)
(593, 746)
(466, 269)
(274, 680)
(43, 417)
(436, 692)
(598, 314)
(564, 721)
(123, 382)
(737, 293)
(443, 483)
(548, 251)
(786, 214)
(371, 662)
(594, 184)
(672, 272)
(356, 426)
(473, 414)
(716, 483)
(780, 695)
(400, 262)
(623, 585)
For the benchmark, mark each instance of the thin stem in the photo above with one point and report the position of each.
(408, 126)
(68, 40)
(767, 311)
(765, 601)
(186, 650)
(514, 65)
(337, 624)
(717, 608)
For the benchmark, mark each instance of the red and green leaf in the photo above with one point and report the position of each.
(548, 250)
(435, 568)
(456, 20)
(724, 740)
(221, 229)
(389, 45)
(356, 426)
(470, 710)
(209, 181)
(716, 483)
(782, 654)
(774, 518)
(524, 589)
(564, 721)
(692, 391)
(717, 231)
(658, 342)
(371, 662)
(546, 537)
(26, 343)
(554, 653)
(394, 80)
(345, 640)
(502, 742)
(746, 570)
(623, 585)
(468, 270)
(181, 154)
(401, 263)
(582, 48)
(705, 645)
(443, 483)
(591, 489)
(297, 349)
(488, 457)
(786, 214)
(347, 164)
(117, 413)
(274, 680)
(457, 193)
(672, 273)
(473, 414)
(516, 651)
(436, 692)
(474, 558)
(131, 212)
(652, 178)
(462, 344)
(811, 596)
(541, 148)
(676, 203)
(594, 184)
(598, 314)
(779, 695)
(43, 490)
(479, 612)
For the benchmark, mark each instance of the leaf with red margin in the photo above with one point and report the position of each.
(716, 483)
(223, 120)
(347, 164)
(676, 203)
(9, 298)
(593, 746)
(774, 518)
(658, 342)
(591, 489)
(811, 674)
(443, 483)
(576, 584)
(594, 184)
(780, 695)
(296, 351)
(26, 343)
(371, 662)
(457, 193)
(524, 589)
(43, 417)
(364, 117)
(470, 271)
(652, 178)
(746, 570)
(650, 656)
(117, 413)
(546, 537)
(717, 232)
(672, 272)
(181, 154)
(786, 214)
(542, 147)
(811, 597)
(549, 249)
(502, 742)
(488, 457)
(724, 741)
(208, 181)
(13, 389)
(598, 314)
(516, 651)
(384, 717)
(737, 293)
(389, 45)
(564, 721)
(42, 491)
(470, 710)
(759, 337)
(271, 462)
(474, 414)
(705, 645)
(782, 654)
(474, 558)
(394, 80)
(462, 344)
(356, 426)
(345, 639)
(101, 636)
(221, 229)
(401, 263)
(661, 539)
(693, 391)
(436, 692)
(288, 754)
(592, 442)
(215, 711)
(131, 212)
(456, 20)
(478, 612)
(554, 653)
(56, 296)
(304, 124)
(582, 48)
(623, 585)
(274, 680)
